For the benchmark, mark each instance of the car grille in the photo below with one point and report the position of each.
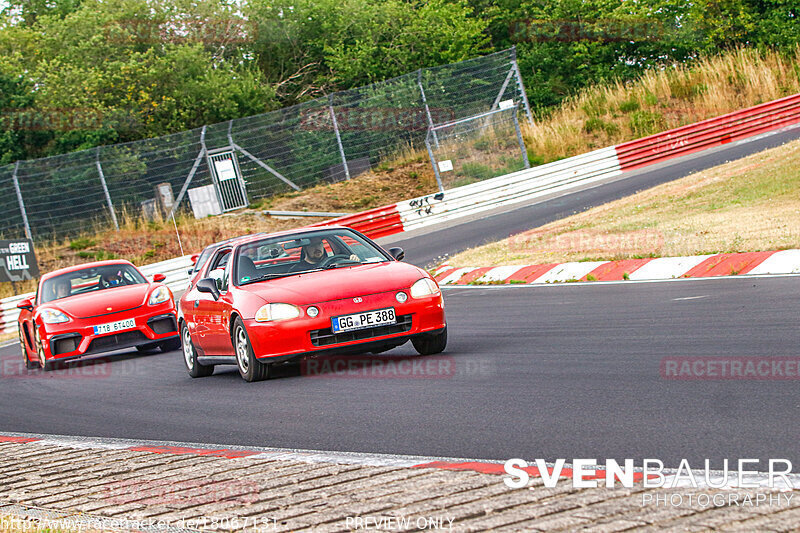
(161, 325)
(326, 337)
(118, 340)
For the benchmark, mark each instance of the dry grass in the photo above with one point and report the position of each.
(747, 205)
(660, 100)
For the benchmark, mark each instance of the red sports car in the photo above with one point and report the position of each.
(94, 308)
(318, 290)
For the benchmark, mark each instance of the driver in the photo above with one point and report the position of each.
(62, 288)
(113, 279)
(313, 255)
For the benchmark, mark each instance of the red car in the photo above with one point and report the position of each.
(328, 290)
(94, 308)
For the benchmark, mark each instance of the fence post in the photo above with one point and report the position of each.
(427, 109)
(191, 172)
(433, 161)
(511, 73)
(520, 86)
(257, 161)
(520, 141)
(105, 189)
(338, 137)
(21, 202)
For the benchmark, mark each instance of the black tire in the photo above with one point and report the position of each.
(28, 363)
(170, 345)
(430, 344)
(250, 368)
(44, 364)
(195, 369)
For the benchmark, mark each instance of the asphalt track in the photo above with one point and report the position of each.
(548, 372)
(534, 372)
(432, 245)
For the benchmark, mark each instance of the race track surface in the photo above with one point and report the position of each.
(547, 372)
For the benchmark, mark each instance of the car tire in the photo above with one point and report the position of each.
(28, 363)
(44, 364)
(432, 343)
(170, 345)
(250, 368)
(195, 369)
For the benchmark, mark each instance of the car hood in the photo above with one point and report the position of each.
(98, 303)
(335, 284)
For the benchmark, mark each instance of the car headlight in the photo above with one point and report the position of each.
(159, 296)
(53, 316)
(272, 312)
(424, 287)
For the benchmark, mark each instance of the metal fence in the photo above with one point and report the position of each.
(323, 140)
(477, 148)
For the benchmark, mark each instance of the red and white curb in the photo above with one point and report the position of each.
(673, 478)
(663, 268)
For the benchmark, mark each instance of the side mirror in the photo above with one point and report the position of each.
(25, 304)
(208, 285)
(158, 278)
(397, 253)
(194, 258)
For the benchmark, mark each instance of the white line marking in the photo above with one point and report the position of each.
(740, 277)
(690, 298)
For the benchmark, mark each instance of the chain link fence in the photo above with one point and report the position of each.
(320, 141)
(477, 148)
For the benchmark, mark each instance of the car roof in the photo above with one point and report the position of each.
(76, 268)
(296, 231)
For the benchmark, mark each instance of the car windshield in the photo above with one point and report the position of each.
(298, 253)
(89, 280)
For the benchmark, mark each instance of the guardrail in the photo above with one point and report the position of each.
(176, 271)
(709, 133)
(575, 171)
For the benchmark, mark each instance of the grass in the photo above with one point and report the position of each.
(747, 205)
(662, 99)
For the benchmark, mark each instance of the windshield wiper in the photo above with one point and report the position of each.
(273, 276)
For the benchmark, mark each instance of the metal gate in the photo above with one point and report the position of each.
(227, 178)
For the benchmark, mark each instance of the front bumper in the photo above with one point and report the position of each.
(306, 335)
(77, 338)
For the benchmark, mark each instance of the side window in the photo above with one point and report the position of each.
(219, 269)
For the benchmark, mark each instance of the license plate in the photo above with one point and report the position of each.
(367, 319)
(113, 327)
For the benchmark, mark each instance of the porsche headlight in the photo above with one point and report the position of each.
(272, 312)
(159, 296)
(53, 316)
(424, 287)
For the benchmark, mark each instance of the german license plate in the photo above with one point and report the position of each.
(367, 319)
(113, 327)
